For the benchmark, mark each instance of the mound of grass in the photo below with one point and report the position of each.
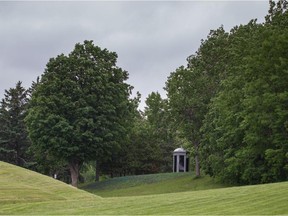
(18, 185)
(131, 181)
(26, 192)
(151, 184)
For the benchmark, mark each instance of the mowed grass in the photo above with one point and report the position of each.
(19, 185)
(151, 184)
(26, 192)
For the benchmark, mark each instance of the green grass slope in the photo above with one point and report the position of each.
(151, 184)
(25, 192)
(18, 185)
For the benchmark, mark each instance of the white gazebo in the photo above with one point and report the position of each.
(180, 160)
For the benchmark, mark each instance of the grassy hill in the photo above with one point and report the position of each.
(18, 185)
(26, 192)
(151, 184)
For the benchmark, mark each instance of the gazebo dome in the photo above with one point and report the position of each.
(178, 150)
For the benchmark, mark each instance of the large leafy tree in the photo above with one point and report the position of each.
(14, 142)
(191, 88)
(246, 128)
(77, 108)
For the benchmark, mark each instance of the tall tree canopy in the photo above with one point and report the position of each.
(191, 88)
(246, 135)
(231, 100)
(77, 111)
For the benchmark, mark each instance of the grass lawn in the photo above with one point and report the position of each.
(151, 184)
(18, 185)
(26, 192)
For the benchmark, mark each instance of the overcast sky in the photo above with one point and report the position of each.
(151, 38)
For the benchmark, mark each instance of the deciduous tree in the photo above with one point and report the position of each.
(77, 109)
(191, 88)
(246, 127)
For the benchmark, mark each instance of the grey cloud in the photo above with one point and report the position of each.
(151, 39)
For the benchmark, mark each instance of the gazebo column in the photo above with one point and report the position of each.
(177, 165)
(174, 162)
(184, 164)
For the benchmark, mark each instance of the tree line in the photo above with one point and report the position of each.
(231, 101)
(228, 107)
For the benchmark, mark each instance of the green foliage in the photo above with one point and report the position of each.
(122, 160)
(77, 111)
(190, 89)
(160, 128)
(245, 129)
(231, 101)
(14, 142)
(150, 142)
(144, 149)
(88, 172)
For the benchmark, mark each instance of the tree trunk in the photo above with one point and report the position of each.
(97, 171)
(74, 167)
(197, 163)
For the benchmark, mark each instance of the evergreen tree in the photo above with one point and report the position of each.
(14, 142)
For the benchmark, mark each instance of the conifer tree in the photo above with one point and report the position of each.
(14, 142)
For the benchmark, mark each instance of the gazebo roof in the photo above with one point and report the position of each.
(179, 150)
